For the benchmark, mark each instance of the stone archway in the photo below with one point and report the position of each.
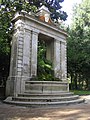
(23, 66)
(49, 46)
(48, 43)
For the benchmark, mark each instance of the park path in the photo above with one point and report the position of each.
(70, 112)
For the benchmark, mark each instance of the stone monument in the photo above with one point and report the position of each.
(28, 29)
(20, 88)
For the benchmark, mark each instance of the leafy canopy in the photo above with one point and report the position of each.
(32, 5)
(79, 43)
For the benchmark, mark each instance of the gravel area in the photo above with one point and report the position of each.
(70, 112)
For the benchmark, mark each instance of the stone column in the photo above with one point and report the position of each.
(27, 54)
(63, 61)
(26, 58)
(34, 53)
(14, 80)
(50, 51)
(56, 63)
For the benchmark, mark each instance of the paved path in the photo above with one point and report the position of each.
(71, 112)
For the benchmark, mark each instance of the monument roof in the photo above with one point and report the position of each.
(34, 18)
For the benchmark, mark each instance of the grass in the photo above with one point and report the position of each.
(81, 92)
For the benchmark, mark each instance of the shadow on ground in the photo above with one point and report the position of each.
(71, 112)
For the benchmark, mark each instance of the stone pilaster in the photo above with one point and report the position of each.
(63, 61)
(34, 53)
(26, 67)
(27, 54)
(57, 69)
(50, 51)
(14, 80)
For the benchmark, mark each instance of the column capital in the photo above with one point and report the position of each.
(64, 43)
(19, 25)
(35, 31)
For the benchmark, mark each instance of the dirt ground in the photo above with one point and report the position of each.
(70, 112)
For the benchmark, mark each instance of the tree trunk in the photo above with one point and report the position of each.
(88, 84)
(75, 81)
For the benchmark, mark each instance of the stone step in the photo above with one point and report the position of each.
(36, 84)
(46, 82)
(41, 104)
(43, 91)
(29, 94)
(45, 99)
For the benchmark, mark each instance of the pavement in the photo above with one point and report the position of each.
(68, 112)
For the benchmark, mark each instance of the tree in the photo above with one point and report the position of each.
(5, 37)
(79, 45)
(32, 5)
(45, 69)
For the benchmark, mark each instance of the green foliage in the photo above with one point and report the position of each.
(5, 38)
(45, 70)
(79, 46)
(81, 92)
(32, 5)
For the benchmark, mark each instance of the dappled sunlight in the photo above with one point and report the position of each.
(55, 114)
(39, 118)
(35, 118)
(69, 112)
(63, 113)
(72, 112)
(15, 118)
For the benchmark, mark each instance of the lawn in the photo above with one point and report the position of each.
(81, 92)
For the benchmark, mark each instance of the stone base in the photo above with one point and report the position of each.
(46, 86)
(15, 85)
(44, 93)
(9, 87)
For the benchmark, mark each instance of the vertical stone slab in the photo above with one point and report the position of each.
(26, 59)
(11, 78)
(57, 69)
(27, 54)
(13, 56)
(14, 80)
(50, 51)
(34, 53)
(19, 58)
(63, 61)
